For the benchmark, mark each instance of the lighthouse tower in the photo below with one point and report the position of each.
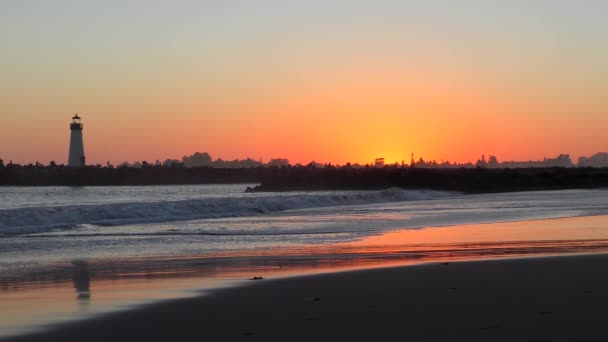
(76, 158)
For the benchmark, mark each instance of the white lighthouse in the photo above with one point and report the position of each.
(76, 158)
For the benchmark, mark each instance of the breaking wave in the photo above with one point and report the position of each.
(21, 221)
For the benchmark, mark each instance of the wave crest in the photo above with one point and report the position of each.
(43, 219)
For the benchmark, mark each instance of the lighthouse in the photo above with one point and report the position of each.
(76, 158)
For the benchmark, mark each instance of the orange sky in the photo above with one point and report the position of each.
(518, 81)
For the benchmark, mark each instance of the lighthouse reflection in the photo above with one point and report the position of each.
(81, 280)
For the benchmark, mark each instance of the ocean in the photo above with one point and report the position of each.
(87, 250)
(42, 224)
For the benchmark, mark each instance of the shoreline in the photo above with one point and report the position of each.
(92, 286)
(516, 297)
(468, 180)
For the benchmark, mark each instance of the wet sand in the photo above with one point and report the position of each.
(530, 299)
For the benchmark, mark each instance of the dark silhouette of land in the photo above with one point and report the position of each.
(288, 178)
(462, 179)
(152, 175)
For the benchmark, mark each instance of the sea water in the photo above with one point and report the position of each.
(41, 224)
(68, 253)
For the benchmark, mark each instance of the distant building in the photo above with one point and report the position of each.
(76, 156)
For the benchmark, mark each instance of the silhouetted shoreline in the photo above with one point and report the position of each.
(124, 176)
(313, 178)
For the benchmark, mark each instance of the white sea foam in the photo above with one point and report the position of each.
(28, 220)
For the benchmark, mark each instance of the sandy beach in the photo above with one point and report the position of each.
(530, 299)
(459, 281)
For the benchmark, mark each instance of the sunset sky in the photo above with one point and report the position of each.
(331, 81)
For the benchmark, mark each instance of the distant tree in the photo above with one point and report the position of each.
(249, 162)
(582, 161)
(219, 163)
(420, 162)
(492, 161)
(52, 164)
(197, 160)
(481, 162)
(1, 163)
(597, 160)
(562, 160)
(171, 163)
(278, 162)
(313, 165)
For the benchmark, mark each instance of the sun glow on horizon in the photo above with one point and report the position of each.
(304, 81)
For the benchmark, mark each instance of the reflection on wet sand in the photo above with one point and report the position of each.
(81, 281)
(46, 294)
